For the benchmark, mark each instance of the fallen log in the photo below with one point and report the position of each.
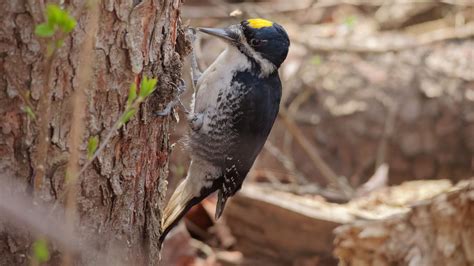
(281, 228)
(434, 232)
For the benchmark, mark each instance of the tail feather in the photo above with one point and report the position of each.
(176, 208)
(221, 200)
(190, 192)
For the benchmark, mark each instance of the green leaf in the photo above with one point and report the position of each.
(44, 30)
(68, 24)
(132, 94)
(126, 116)
(41, 251)
(144, 86)
(147, 86)
(54, 14)
(92, 146)
(29, 112)
(59, 17)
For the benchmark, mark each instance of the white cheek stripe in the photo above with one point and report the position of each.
(266, 66)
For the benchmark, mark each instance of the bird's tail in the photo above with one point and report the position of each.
(176, 208)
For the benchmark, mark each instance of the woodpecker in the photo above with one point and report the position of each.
(233, 109)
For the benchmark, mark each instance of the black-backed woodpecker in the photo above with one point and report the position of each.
(233, 111)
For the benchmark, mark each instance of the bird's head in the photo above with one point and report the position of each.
(263, 41)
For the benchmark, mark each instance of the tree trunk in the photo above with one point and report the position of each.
(120, 196)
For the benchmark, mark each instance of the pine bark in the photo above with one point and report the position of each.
(121, 194)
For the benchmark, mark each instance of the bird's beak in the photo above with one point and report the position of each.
(225, 34)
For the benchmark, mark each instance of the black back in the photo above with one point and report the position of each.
(252, 122)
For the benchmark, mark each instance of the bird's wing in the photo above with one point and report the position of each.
(252, 123)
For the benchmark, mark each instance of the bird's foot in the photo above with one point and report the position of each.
(195, 71)
(180, 89)
(191, 34)
(196, 121)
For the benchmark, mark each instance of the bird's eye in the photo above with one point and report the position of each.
(257, 42)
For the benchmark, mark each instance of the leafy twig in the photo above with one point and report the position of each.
(58, 24)
(147, 86)
(24, 95)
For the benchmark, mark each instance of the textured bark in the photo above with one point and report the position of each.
(121, 194)
(435, 232)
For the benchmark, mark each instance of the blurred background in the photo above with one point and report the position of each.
(375, 93)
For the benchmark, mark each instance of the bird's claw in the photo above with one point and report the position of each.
(192, 34)
(167, 110)
(196, 121)
(180, 89)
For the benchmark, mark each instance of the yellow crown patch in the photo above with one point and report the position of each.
(258, 23)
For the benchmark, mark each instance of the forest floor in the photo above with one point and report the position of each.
(376, 93)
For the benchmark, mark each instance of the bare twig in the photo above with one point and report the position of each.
(44, 109)
(24, 94)
(310, 150)
(388, 131)
(377, 180)
(286, 161)
(77, 124)
(213, 256)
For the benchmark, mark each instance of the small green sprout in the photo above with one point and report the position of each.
(31, 114)
(147, 86)
(126, 116)
(44, 30)
(92, 145)
(41, 251)
(56, 19)
(132, 94)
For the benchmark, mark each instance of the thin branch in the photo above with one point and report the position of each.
(77, 124)
(388, 131)
(313, 154)
(24, 94)
(44, 109)
(286, 161)
(133, 103)
(102, 145)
